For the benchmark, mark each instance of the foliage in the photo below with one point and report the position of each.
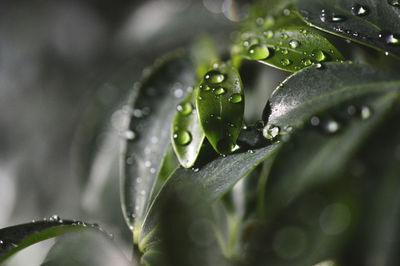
(314, 180)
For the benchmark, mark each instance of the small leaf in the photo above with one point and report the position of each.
(17, 237)
(285, 43)
(372, 23)
(187, 136)
(220, 103)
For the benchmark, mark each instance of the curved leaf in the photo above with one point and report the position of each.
(372, 23)
(284, 43)
(313, 90)
(187, 136)
(220, 105)
(17, 237)
(150, 123)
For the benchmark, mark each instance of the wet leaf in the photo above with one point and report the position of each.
(17, 237)
(152, 111)
(220, 105)
(372, 23)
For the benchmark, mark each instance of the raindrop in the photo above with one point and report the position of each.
(54, 218)
(269, 34)
(314, 121)
(359, 10)
(294, 44)
(306, 62)
(284, 51)
(235, 98)
(303, 31)
(285, 62)
(219, 91)
(185, 108)
(395, 3)
(250, 151)
(319, 55)
(318, 66)
(284, 36)
(235, 148)
(271, 131)
(214, 77)
(332, 126)
(182, 137)
(204, 87)
(392, 39)
(365, 112)
(195, 169)
(258, 51)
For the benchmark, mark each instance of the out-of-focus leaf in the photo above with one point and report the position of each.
(284, 42)
(187, 136)
(86, 248)
(152, 108)
(220, 105)
(17, 237)
(373, 23)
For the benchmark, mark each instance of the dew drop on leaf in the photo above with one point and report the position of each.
(319, 55)
(271, 131)
(219, 91)
(359, 10)
(306, 62)
(235, 98)
(185, 108)
(204, 87)
(395, 3)
(182, 137)
(258, 51)
(214, 77)
(365, 112)
(285, 62)
(269, 34)
(294, 44)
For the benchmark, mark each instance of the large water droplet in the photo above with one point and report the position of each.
(214, 77)
(319, 55)
(395, 3)
(284, 36)
(359, 10)
(285, 62)
(55, 218)
(219, 91)
(235, 98)
(185, 108)
(258, 51)
(306, 62)
(271, 131)
(294, 44)
(182, 137)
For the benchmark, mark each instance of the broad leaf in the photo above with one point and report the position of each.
(220, 105)
(285, 43)
(153, 110)
(187, 136)
(17, 237)
(374, 23)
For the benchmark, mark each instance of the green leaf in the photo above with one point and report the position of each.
(313, 90)
(152, 106)
(372, 23)
(187, 136)
(214, 179)
(17, 237)
(220, 105)
(283, 42)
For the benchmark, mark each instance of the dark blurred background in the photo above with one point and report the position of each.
(66, 67)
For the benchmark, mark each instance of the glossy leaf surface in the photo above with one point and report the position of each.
(373, 23)
(220, 105)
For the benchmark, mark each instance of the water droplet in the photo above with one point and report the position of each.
(365, 112)
(392, 39)
(195, 169)
(219, 91)
(294, 44)
(284, 51)
(284, 36)
(271, 131)
(54, 218)
(214, 77)
(337, 18)
(314, 121)
(204, 87)
(332, 126)
(303, 31)
(319, 66)
(319, 55)
(395, 3)
(386, 53)
(185, 108)
(359, 10)
(258, 51)
(306, 62)
(235, 98)
(129, 135)
(285, 62)
(182, 137)
(269, 34)
(250, 151)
